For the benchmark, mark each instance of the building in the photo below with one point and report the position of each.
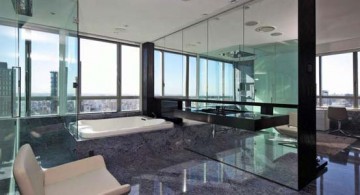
(5, 90)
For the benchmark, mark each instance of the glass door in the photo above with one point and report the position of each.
(10, 98)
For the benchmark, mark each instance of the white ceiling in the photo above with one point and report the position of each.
(146, 20)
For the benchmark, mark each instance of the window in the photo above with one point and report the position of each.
(337, 80)
(130, 78)
(44, 70)
(215, 75)
(98, 68)
(203, 78)
(337, 75)
(173, 74)
(192, 76)
(100, 80)
(158, 73)
(228, 81)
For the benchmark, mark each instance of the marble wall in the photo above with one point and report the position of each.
(134, 146)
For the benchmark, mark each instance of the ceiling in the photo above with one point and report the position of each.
(144, 20)
(147, 20)
(337, 20)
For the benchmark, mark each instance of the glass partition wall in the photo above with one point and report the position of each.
(38, 67)
(247, 54)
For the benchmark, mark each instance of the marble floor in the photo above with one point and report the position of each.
(184, 171)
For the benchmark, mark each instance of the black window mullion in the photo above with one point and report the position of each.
(320, 81)
(355, 73)
(119, 77)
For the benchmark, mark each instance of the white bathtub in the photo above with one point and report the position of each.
(88, 129)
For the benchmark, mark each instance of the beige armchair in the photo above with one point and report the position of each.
(86, 176)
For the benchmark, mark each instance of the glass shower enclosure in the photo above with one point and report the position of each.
(38, 79)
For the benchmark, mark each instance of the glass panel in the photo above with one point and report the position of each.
(215, 75)
(195, 43)
(8, 63)
(158, 73)
(273, 53)
(173, 74)
(98, 105)
(192, 77)
(130, 104)
(71, 70)
(228, 82)
(9, 98)
(333, 68)
(44, 70)
(130, 71)
(203, 78)
(98, 68)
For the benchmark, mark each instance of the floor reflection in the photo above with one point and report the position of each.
(263, 153)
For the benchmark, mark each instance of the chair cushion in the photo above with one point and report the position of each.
(98, 181)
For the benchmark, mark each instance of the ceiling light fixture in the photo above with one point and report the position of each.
(276, 34)
(251, 23)
(265, 29)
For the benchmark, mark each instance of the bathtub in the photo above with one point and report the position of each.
(89, 129)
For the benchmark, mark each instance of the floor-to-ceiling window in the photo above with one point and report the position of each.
(207, 78)
(110, 76)
(335, 79)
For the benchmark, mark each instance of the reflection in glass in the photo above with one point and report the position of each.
(173, 74)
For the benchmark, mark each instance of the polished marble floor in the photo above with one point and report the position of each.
(187, 172)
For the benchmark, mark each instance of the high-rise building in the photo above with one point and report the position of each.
(5, 90)
(54, 91)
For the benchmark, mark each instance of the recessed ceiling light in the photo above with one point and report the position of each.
(276, 34)
(120, 29)
(251, 23)
(265, 29)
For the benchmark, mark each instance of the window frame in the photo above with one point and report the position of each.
(355, 96)
(119, 98)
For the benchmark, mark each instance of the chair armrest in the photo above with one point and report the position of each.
(73, 169)
(123, 189)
